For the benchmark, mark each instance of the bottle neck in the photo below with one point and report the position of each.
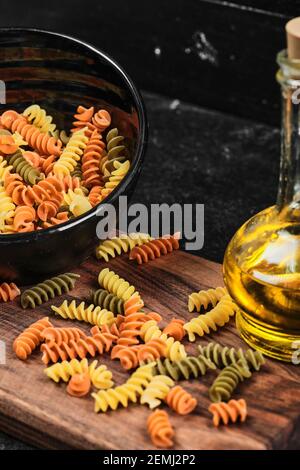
(289, 183)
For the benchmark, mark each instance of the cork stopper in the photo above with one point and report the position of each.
(293, 38)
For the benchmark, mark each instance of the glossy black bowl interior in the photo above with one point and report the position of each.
(59, 73)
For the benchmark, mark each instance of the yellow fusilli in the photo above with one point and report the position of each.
(156, 390)
(116, 177)
(76, 200)
(38, 117)
(4, 169)
(204, 298)
(116, 285)
(125, 393)
(66, 369)
(125, 243)
(7, 210)
(216, 317)
(71, 154)
(89, 314)
(100, 376)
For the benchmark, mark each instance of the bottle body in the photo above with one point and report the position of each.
(262, 274)
(262, 261)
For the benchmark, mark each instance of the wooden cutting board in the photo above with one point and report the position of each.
(37, 410)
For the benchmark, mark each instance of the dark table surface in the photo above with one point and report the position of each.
(197, 155)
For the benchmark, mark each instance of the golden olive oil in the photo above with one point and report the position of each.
(262, 274)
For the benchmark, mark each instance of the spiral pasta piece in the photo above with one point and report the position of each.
(79, 204)
(157, 390)
(133, 305)
(15, 188)
(43, 143)
(180, 401)
(115, 151)
(79, 385)
(30, 338)
(115, 178)
(48, 289)
(33, 158)
(83, 119)
(89, 314)
(29, 174)
(105, 299)
(175, 329)
(69, 182)
(24, 219)
(5, 169)
(223, 413)
(152, 350)
(100, 376)
(160, 429)
(205, 298)
(101, 120)
(223, 356)
(175, 350)
(91, 345)
(114, 284)
(47, 164)
(38, 117)
(129, 333)
(95, 196)
(154, 249)
(19, 141)
(127, 355)
(7, 143)
(189, 367)
(132, 354)
(116, 245)
(8, 292)
(217, 317)
(62, 335)
(227, 381)
(66, 369)
(71, 154)
(47, 210)
(60, 218)
(91, 161)
(7, 209)
(125, 393)
(48, 189)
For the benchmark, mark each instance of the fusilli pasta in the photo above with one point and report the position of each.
(89, 314)
(180, 401)
(211, 320)
(223, 356)
(227, 380)
(48, 289)
(205, 298)
(228, 412)
(160, 429)
(117, 245)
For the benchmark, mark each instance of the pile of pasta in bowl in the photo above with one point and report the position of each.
(48, 176)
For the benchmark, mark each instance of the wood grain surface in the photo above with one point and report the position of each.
(37, 410)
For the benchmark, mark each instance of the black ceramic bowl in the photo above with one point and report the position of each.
(59, 73)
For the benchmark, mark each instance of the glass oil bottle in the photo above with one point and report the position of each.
(262, 261)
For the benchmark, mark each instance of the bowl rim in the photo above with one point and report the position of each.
(139, 152)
